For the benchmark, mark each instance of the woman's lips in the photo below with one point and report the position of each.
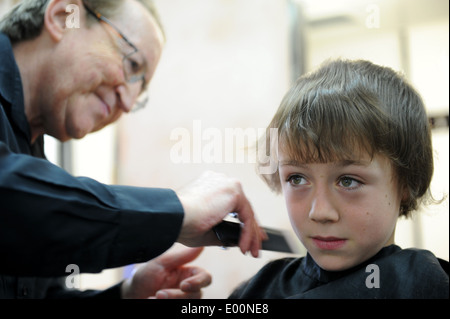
(328, 243)
(106, 107)
(106, 102)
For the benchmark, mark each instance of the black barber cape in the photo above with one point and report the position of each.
(50, 219)
(402, 273)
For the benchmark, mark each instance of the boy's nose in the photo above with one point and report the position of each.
(323, 209)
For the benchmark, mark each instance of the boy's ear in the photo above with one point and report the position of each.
(404, 198)
(405, 194)
(61, 15)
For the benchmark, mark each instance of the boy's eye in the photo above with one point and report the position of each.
(296, 180)
(348, 182)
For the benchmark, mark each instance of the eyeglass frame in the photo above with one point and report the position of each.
(134, 78)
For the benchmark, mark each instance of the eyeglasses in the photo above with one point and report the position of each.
(134, 64)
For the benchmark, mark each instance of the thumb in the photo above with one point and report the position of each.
(179, 257)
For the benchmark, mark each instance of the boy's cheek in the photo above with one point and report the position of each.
(297, 217)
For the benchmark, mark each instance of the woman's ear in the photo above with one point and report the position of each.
(61, 15)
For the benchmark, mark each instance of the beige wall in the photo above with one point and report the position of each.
(225, 66)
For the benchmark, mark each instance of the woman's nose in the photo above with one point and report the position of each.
(128, 94)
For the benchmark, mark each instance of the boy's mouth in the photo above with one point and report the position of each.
(328, 243)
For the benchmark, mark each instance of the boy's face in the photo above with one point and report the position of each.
(343, 212)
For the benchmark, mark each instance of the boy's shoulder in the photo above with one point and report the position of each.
(402, 273)
(418, 261)
(444, 264)
(413, 273)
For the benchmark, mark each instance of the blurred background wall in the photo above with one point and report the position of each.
(225, 68)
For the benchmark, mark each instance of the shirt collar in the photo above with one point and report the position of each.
(312, 270)
(11, 89)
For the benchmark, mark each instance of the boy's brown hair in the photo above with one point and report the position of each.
(347, 105)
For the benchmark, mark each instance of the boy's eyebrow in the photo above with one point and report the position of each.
(342, 163)
(348, 162)
(291, 163)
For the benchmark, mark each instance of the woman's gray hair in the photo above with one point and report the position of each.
(26, 19)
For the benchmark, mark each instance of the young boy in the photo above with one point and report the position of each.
(354, 153)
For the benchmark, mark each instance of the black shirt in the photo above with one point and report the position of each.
(50, 219)
(402, 273)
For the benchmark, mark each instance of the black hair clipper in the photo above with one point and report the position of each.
(229, 232)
